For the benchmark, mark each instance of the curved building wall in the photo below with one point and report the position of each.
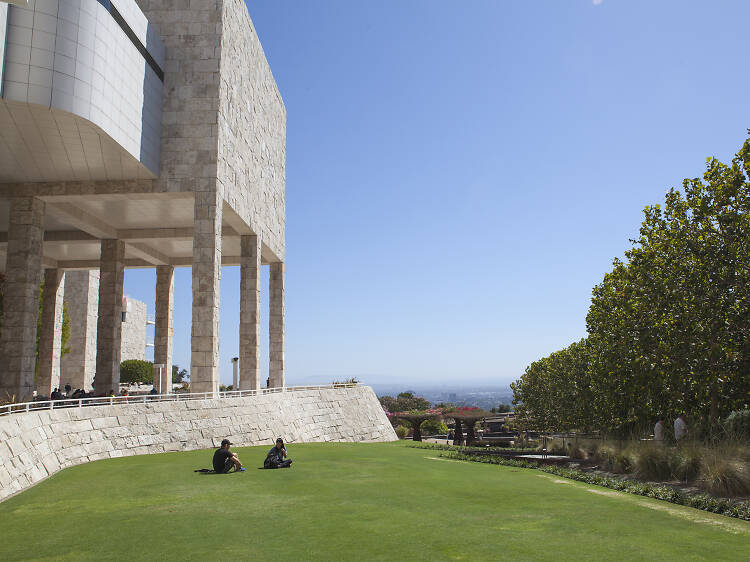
(35, 445)
(81, 59)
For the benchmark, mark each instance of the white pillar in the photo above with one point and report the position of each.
(250, 312)
(48, 366)
(82, 299)
(21, 298)
(235, 374)
(276, 325)
(204, 335)
(163, 329)
(109, 322)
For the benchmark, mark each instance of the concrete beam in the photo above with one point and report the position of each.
(147, 253)
(95, 264)
(83, 220)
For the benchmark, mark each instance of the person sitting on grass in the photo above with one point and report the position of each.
(275, 457)
(224, 459)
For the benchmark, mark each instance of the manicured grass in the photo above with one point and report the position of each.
(348, 501)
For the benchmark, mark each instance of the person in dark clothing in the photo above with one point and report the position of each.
(275, 457)
(224, 459)
(67, 390)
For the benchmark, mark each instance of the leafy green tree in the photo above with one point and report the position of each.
(502, 408)
(404, 402)
(137, 370)
(668, 328)
(179, 375)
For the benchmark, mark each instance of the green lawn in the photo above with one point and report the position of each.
(348, 501)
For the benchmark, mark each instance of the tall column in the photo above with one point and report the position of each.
(276, 325)
(163, 329)
(250, 312)
(21, 298)
(48, 368)
(109, 322)
(204, 335)
(82, 299)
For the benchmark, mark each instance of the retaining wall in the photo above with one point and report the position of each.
(35, 445)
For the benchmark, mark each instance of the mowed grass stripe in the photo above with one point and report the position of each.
(345, 502)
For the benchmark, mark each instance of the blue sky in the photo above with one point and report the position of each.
(461, 174)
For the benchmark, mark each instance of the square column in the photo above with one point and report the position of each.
(50, 338)
(109, 322)
(21, 298)
(82, 300)
(204, 335)
(276, 325)
(250, 312)
(163, 329)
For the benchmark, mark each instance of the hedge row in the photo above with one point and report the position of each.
(705, 502)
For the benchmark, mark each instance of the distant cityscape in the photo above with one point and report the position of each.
(486, 397)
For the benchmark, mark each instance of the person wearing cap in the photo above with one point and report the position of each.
(275, 457)
(224, 459)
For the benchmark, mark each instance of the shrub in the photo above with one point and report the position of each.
(738, 424)
(136, 370)
(686, 463)
(402, 432)
(577, 452)
(652, 463)
(723, 477)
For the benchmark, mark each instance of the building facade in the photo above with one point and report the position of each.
(137, 134)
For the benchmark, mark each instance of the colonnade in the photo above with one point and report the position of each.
(26, 266)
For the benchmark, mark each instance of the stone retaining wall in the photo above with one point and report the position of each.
(35, 445)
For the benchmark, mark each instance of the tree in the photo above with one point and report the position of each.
(179, 375)
(416, 418)
(502, 408)
(136, 370)
(404, 402)
(465, 416)
(668, 330)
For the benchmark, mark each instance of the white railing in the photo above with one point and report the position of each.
(23, 407)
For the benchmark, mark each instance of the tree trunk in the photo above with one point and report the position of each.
(714, 415)
(458, 438)
(470, 435)
(416, 432)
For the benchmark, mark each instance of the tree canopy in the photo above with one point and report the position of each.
(667, 327)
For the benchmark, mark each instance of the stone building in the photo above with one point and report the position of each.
(146, 133)
(134, 321)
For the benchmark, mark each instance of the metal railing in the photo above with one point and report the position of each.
(38, 405)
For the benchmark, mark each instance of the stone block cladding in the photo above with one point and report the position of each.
(252, 130)
(36, 445)
(82, 299)
(50, 338)
(109, 320)
(133, 335)
(24, 274)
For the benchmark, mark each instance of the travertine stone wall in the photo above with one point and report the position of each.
(133, 335)
(21, 299)
(191, 33)
(37, 444)
(252, 130)
(82, 299)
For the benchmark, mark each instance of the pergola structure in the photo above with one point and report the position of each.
(137, 135)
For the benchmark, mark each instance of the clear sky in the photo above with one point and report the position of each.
(460, 174)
